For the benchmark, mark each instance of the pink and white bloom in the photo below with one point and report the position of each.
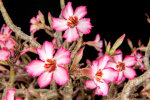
(50, 67)
(123, 66)
(9, 46)
(73, 22)
(5, 33)
(11, 95)
(101, 76)
(139, 59)
(4, 53)
(34, 24)
(97, 43)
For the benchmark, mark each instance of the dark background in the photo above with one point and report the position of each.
(110, 19)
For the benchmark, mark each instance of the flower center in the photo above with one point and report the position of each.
(72, 21)
(120, 66)
(50, 65)
(98, 75)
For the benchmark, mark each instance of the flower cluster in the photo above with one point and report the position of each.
(7, 44)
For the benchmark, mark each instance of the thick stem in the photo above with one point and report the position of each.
(12, 75)
(68, 91)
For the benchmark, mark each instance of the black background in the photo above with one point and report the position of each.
(110, 19)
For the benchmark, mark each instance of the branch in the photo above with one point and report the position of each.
(16, 29)
(132, 83)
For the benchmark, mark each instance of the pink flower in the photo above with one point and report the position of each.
(72, 23)
(50, 67)
(11, 95)
(4, 53)
(139, 59)
(123, 66)
(9, 46)
(34, 24)
(97, 43)
(5, 33)
(101, 76)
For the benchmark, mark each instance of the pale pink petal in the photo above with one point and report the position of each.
(109, 75)
(4, 54)
(59, 24)
(35, 68)
(129, 60)
(10, 44)
(94, 68)
(120, 77)
(129, 73)
(67, 10)
(4, 98)
(33, 20)
(18, 98)
(60, 75)
(62, 56)
(97, 38)
(103, 61)
(45, 79)
(10, 94)
(102, 88)
(2, 44)
(118, 57)
(111, 64)
(71, 34)
(84, 26)
(80, 12)
(90, 84)
(46, 51)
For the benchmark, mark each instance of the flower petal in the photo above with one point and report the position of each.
(62, 56)
(4, 54)
(71, 34)
(129, 73)
(80, 12)
(10, 94)
(109, 75)
(46, 51)
(10, 44)
(67, 10)
(59, 24)
(129, 60)
(94, 68)
(84, 26)
(120, 77)
(103, 61)
(111, 64)
(18, 98)
(102, 88)
(61, 76)
(45, 79)
(90, 84)
(118, 58)
(35, 68)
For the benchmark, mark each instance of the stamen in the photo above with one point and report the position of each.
(120, 66)
(72, 21)
(50, 65)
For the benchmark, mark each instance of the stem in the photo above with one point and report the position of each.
(12, 75)
(68, 91)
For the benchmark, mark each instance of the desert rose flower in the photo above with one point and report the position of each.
(34, 24)
(73, 22)
(50, 67)
(4, 53)
(5, 33)
(97, 43)
(101, 76)
(11, 95)
(139, 59)
(123, 66)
